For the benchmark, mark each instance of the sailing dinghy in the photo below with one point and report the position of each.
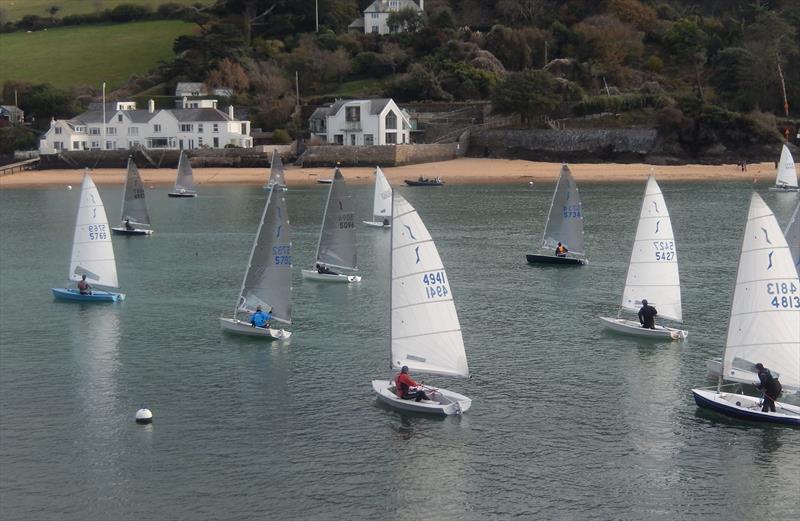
(92, 251)
(792, 234)
(381, 201)
(184, 182)
(336, 249)
(275, 172)
(786, 178)
(135, 219)
(764, 324)
(652, 270)
(268, 278)
(564, 225)
(424, 332)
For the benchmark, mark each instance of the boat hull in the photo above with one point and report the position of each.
(95, 296)
(325, 181)
(375, 224)
(239, 327)
(135, 231)
(409, 182)
(552, 259)
(630, 327)
(746, 407)
(444, 402)
(783, 189)
(325, 277)
(182, 194)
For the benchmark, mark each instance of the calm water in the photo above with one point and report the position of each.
(568, 422)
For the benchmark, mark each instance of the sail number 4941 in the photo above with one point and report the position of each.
(435, 284)
(784, 295)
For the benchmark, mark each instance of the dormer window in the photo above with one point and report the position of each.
(119, 118)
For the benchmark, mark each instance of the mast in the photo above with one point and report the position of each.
(391, 255)
(550, 211)
(630, 258)
(325, 212)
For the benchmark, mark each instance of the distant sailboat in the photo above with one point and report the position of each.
(336, 249)
(564, 225)
(92, 251)
(652, 270)
(135, 218)
(184, 183)
(268, 278)
(764, 324)
(275, 172)
(381, 202)
(792, 234)
(424, 332)
(786, 178)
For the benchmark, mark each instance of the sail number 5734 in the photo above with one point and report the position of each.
(784, 295)
(435, 284)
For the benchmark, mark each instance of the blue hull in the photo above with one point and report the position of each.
(96, 296)
(552, 259)
(736, 412)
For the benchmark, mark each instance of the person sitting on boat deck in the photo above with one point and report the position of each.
(769, 385)
(324, 270)
(128, 225)
(647, 315)
(260, 319)
(561, 250)
(403, 384)
(84, 287)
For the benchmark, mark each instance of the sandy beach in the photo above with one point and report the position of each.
(457, 171)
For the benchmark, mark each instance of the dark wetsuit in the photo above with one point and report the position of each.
(771, 388)
(647, 316)
(324, 270)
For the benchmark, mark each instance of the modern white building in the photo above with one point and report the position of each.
(377, 13)
(361, 122)
(125, 127)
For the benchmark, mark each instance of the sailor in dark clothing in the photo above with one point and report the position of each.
(770, 386)
(647, 315)
(324, 270)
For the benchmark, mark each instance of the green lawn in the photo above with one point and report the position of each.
(16, 9)
(88, 55)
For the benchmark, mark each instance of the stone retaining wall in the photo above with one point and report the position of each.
(380, 155)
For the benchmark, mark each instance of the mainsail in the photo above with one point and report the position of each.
(425, 332)
(276, 172)
(765, 314)
(134, 207)
(92, 251)
(184, 181)
(792, 234)
(787, 175)
(565, 220)
(653, 266)
(381, 203)
(268, 279)
(337, 238)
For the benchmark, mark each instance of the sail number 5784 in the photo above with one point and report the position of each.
(784, 295)
(435, 284)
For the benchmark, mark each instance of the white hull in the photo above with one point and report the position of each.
(783, 189)
(136, 231)
(232, 325)
(747, 407)
(630, 327)
(375, 224)
(443, 402)
(325, 277)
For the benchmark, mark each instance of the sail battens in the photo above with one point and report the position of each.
(337, 236)
(92, 251)
(565, 218)
(442, 332)
(404, 306)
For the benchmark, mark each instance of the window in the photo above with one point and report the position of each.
(369, 139)
(199, 127)
(391, 138)
(215, 127)
(244, 129)
(95, 144)
(186, 127)
(216, 142)
(94, 131)
(375, 15)
(80, 129)
(156, 128)
(352, 139)
(352, 113)
(200, 141)
(58, 130)
(76, 145)
(110, 145)
(119, 118)
(375, 29)
(391, 120)
(58, 145)
(338, 139)
(111, 131)
(133, 131)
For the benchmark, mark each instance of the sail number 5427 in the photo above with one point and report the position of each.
(784, 295)
(665, 250)
(435, 284)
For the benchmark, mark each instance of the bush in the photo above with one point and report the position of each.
(281, 137)
(621, 103)
(129, 13)
(16, 138)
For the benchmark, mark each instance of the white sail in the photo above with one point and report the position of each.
(184, 181)
(565, 220)
(276, 172)
(765, 314)
(134, 207)
(653, 267)
(92, 251)
(425, 332)
(787, 174)
(792, 234)
(268, 278)
(382, 200)
(337, 238)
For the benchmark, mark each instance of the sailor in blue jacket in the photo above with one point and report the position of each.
(260, 319)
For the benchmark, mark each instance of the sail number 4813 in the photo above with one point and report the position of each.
(435, 284)
(784, 295)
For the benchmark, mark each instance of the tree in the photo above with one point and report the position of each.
(406, 20)
(733, 79)
(612, 42)
(684, 40)
(528, 93)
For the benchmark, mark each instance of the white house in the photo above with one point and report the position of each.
(361, 122)
(125, 127)
(377, 13)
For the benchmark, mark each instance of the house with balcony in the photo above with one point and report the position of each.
(375, 17)
(361, 122)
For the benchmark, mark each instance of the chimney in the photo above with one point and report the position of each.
(151, 106)
(230, 111)
(185, 102)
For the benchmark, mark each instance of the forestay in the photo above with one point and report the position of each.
(276, 172)
(653, 266)
(268, 279)
(184, 181)
(565, 220)
(134, 207)
(792, 235)
(337, 238)
(92, 251)
(383, 197)
(425, 332)
(787, 175)
(765, 314)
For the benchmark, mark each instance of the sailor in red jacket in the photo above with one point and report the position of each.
(403, 384)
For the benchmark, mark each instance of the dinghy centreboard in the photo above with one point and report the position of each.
(92, 250)
(184, 181)
(786, 177)
(135, 219)
(652, 271)
(381, 202)
(424, 331)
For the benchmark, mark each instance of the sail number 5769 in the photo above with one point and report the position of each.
(435, 284)
(784, 295)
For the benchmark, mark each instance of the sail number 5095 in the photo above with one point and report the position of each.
(435, 284)
(784, 295)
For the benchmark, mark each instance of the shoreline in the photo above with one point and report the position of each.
(454, 172)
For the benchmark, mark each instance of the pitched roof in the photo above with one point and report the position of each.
(187, 87)
(376, 106)
(382, 6)
(199, 115)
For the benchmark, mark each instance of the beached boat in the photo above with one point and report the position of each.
(268, 278)
(424, 331)
(336, 248)
(276, 174)
(381, 201)
(764, 323)
(652, 271)
(786, 177)
(564, 225)
(424, 181)
(92, 251)
(184, 182)
(792, 234)
(135, 218)
(325, 181)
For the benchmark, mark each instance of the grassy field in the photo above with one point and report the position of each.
(16, 9)
(88, 55)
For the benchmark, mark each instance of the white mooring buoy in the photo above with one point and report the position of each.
(144, 416)
(69, 187)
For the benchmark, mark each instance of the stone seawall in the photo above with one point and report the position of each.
(380, 155)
